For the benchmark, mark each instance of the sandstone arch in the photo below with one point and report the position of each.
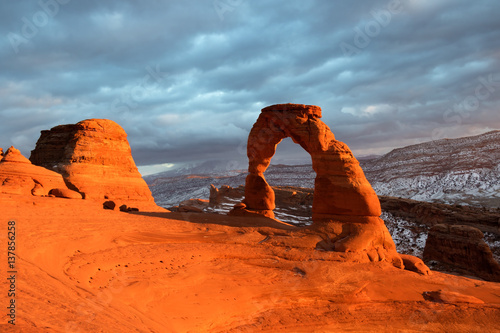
(345, 209)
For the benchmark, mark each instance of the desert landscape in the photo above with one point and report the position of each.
(249, 166)
(91, 252)
(85, 269)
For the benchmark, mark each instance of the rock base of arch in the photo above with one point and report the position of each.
(363, 238)
(242, 211)
(356, 234)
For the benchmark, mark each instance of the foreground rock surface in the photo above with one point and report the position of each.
(92, 270)
(345, 208)
(95, 159)
(19, 176)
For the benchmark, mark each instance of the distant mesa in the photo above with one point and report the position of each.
(95, 159)
(345, 209)
(19, 176)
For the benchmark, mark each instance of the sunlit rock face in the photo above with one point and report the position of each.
(19, 176)
(340, 187)
(95, 159)
(345, 208)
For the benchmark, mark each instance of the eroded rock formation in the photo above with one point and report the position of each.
(463, 247)
(345, 209)
(193, 205)
(432, 213)
(19, 176)
(65, 193)
(95, 159)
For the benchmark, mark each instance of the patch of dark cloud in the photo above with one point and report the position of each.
(91, 59)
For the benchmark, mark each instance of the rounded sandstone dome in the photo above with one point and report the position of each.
(102, 125)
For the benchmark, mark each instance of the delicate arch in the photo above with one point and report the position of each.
(340, 187)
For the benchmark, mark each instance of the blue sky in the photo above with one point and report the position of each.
(187, 79)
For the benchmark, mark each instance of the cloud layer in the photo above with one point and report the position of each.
(187, 79)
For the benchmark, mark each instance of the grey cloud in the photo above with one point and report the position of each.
(91, 60)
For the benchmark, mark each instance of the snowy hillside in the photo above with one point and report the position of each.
(464, 170)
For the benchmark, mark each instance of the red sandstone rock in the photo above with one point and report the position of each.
(345, 209)
(340, 187)
(462, 247)
(109, 204)
(451, 297)
(95, 159)
(38, 190)
(65, 193)
(19, 176)
(415, 264)
(259, 195)
(125, 208)
(193, 205)
(13, 155)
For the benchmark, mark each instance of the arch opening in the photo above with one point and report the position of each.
(291, 176)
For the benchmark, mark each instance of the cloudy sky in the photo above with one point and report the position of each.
(187, 78)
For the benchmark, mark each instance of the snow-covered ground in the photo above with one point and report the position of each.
(409, 237)
(480, 187)
(494, 243)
